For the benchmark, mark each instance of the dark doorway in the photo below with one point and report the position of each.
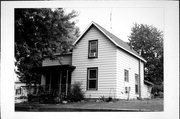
(55, 81)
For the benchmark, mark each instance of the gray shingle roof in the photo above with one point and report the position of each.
(118, 42)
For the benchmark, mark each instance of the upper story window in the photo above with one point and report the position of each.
(93, 49)
(126, 75)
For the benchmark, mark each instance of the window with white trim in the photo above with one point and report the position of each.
(136, 83)
(93, 49)
(126, 75)
(92, 78)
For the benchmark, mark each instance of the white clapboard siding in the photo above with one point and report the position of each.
(130, 63)
(106, 63)
(63, 60)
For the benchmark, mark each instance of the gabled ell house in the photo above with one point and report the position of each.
(102, 63)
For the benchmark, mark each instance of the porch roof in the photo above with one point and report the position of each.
(148, 83)
(53, 67)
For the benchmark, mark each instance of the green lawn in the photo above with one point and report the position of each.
(146, 105)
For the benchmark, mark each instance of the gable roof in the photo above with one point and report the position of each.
(115, 40)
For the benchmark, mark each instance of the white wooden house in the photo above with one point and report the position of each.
(102, 63)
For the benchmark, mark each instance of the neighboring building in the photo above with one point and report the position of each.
(147, 89)
(20, 92)
(20, 89)
(102, 63)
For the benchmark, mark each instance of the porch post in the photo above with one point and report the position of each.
(60, 82)
(43, 81)
(139, 78)
(50, 78)
(66, 82)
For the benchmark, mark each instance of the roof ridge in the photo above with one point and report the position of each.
(111, 35)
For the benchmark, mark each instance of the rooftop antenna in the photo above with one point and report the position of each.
(111, 19)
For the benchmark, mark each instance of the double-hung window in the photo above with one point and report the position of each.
(92, 78)
(93, 49)
(126, 75)
(136, 83)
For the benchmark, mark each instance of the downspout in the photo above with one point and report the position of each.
(139, 78)
(60, 80)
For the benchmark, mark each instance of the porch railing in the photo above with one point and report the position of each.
(56, 89)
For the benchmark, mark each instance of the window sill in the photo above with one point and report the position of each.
(92, 57)
(91, 90)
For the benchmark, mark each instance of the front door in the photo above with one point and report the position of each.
(55, 82)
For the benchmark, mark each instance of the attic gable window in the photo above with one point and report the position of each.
(93, 49)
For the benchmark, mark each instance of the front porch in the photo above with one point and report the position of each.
(56, 80)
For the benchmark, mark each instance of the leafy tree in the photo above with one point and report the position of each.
(148, 41)
(40, 32)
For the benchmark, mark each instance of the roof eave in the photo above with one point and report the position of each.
(133, 54)
(83, 33)
(149, 83)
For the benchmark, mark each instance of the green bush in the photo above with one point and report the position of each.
(102, 98)
(30, 97)
(109, 99)
(47, 99)
(76, 94)
(157, 90)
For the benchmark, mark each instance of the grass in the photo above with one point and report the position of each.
(152, 105)
(147, 105)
